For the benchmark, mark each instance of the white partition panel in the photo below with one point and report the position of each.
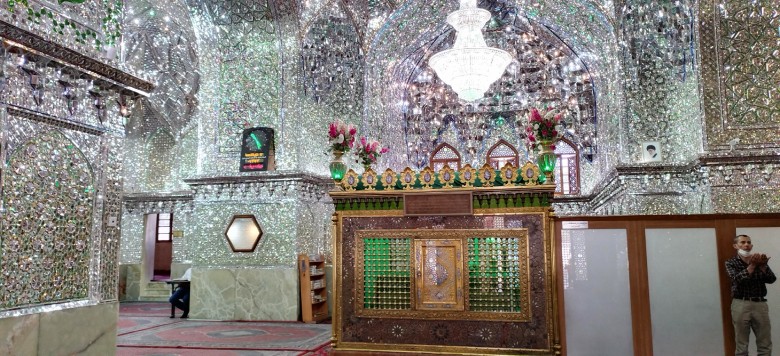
(766, 240)
(596, 293)
(685, 307)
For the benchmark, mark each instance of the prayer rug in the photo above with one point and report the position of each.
(324, 350)
(128, 324)
(171, 351)
(267, 336)
(145, 309)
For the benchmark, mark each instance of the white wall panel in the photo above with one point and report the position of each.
(685, 306)
(596, 295)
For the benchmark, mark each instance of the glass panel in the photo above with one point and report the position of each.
(494, 274)
(386, 279)
(766, 240)
(163, 237)
(166, 216)
(164, 223)
(563, 147)
(500, 162)
(597, 289)
(685, 306)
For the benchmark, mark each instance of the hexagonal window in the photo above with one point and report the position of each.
(243, 233)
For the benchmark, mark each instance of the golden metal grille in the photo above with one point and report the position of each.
(423, 274)
(494, 274)
(386, 277)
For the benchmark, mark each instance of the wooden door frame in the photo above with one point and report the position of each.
(157, 242)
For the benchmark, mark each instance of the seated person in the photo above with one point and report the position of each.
(181, 296)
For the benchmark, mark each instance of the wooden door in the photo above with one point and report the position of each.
(163, 247)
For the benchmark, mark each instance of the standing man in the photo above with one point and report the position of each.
(749, 275)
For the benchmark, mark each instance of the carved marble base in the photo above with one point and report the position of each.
(129, 282)
(244, 294)
(85, 331)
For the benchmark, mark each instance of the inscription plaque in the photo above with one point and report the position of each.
(438, 204)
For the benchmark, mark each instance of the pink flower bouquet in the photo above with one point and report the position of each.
(543, 127)
(341, 136)
(370, 151)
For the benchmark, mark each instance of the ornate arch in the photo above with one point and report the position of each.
(408, 91)
(567, 172)
(443, 154)
(502, 153)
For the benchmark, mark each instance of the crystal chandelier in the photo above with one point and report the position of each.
(470, 66)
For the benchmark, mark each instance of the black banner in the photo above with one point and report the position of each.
(257, 149)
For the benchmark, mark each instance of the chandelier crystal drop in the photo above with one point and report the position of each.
(470, 66)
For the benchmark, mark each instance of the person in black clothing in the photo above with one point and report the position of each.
(181, 296)
(749, 274)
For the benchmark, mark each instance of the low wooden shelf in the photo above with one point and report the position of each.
(314, 292)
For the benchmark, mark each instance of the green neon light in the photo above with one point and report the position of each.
(257, 142)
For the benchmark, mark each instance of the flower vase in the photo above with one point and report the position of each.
(546, 161)
(337, 167)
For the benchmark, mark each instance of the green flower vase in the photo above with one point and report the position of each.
(546, 161)
(337, 167)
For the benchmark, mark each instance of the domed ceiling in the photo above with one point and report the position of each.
(367, 62)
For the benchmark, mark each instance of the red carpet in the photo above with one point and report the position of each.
(162, 351)
(128, 324)
(157, 334)
(169, 351)
(146, 309)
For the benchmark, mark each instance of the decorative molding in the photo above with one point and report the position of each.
(273, 176)
(276, 184)
(693, 188)
(37, 45)
(157, 197)
(55, 121)
(149, 202)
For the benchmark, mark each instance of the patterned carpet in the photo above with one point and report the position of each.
(163, 351)
(128, 324)
(146, 329)
(146, 309)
